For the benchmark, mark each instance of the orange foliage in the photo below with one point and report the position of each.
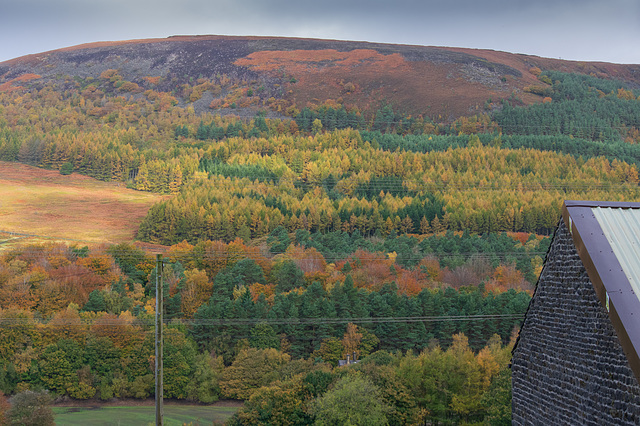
(216, 103)
(9, 85)
(147, 266)
(477, 124)
(197, 289)
(118, 328)
(374, 269)
(633, 135)
(109, 74)
(308, 260)
(65, 324)
(236, 250)
(257, 289)
(129, 86)
(489, 365)
(351, 339)
(507, 277)
(431, 267)
(181, 252)
(214, 257)
(409, 283)
(21, 291)
(50, 297)
(152, 80)
(101, 264)
(626, 94)
(77, 281)
(301, 60)
(521, 237)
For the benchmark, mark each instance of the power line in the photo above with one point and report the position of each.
(422, 186)
(351, 256)
(148, 322)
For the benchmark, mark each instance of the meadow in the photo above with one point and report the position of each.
(38, 204)
(142, 415)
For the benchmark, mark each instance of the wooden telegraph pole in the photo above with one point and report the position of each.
(159, 339)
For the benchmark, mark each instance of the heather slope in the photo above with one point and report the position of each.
(441, 83)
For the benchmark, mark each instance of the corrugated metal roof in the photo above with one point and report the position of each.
(607, 238)
(621, 227)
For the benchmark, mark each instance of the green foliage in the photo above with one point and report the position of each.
(317, 382)
(278, 240)
(247, 271)
(280, 403)
(372, 193)
(263, 336)
(66, 168)
(497, 399)
(331, 118)
(142, 386)
(56, 373)
(129, 257)
(179, 363)
(205, 385)
(287, 275)
(353, 400)
(96, 302)
(331, 351)
(253, 172)
(583, 106)
(252, 369)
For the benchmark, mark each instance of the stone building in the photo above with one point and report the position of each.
(576, 359)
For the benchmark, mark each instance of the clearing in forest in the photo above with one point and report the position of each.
(47, 204)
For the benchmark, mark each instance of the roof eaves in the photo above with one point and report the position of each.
(610, 282)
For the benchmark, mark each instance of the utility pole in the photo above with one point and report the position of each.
(159, 341)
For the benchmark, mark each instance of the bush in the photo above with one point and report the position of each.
(66, 168)
(31, 408)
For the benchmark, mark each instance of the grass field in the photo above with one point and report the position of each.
(145, 415)
(45, 203)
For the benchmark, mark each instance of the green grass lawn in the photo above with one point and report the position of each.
(173, 415)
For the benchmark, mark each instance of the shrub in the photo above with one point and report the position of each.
(66, 168)
(31, 408)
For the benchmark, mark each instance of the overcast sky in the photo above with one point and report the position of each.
(585, 30)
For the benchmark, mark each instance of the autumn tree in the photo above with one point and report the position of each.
(281, 402)
(4, 409)
(251, 369)
(353, 400)
(31, 409)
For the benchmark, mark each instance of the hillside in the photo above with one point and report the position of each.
(435, 82)
(313, 199)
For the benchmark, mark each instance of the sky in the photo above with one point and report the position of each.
(583, 30)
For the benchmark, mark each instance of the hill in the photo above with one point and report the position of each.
(316, 198)
(290, 74)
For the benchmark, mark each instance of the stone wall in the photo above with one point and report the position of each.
(568, 365)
